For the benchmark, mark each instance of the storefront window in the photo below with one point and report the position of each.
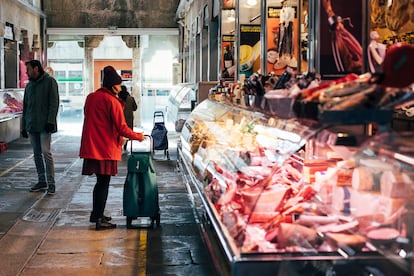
(62, 89)
(249, 30)
(281, 25)
(157, 54)
(60, 74)
(70, 81)
(75, 89)
(75, 74)
(228, 32)
(156, 79)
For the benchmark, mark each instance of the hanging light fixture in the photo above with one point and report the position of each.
(251, 2)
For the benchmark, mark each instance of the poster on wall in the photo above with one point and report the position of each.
(229, 4)
(282, 50)
(340, 36)
(249, 49)
(11, 103)
(390, 22)
(228, 66)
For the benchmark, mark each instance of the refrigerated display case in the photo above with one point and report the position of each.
(11, 108)
(268, 207)
(179, 104)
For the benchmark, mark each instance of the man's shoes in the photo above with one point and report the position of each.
(95, 219)
(102, 224)
(51, 189)
(41, 186)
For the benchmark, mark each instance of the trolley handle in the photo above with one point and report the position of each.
(160, 116)
(146, 138)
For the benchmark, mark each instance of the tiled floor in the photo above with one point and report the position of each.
(51, 235)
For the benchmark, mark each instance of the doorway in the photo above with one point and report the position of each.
(158, 54)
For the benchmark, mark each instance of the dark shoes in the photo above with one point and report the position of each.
(95, 219)
(103, 224)
(51, 189)
(41, 186)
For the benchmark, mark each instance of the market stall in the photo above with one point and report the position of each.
(288, 196)
(11, 107)
(297, 138)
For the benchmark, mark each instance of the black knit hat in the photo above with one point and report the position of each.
(110, 77)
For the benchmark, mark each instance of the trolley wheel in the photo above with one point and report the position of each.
(155, 219)
(129, 223)
(158, 219)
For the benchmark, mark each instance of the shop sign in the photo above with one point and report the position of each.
(249, 49)
(228, 65)
(228, 38)
(282, 50)
(8, 31)
(273, 12)
(126, 74)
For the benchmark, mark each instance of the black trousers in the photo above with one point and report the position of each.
(100, 195)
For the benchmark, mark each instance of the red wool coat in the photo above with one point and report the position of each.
(104, 127)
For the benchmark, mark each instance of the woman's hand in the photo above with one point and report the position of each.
(140, 136)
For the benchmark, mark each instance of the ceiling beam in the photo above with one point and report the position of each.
(31, 8)
(112, 30)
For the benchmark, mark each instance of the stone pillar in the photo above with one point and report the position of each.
(88, 71)
(25, 53)
(132, 41)
(2, 75)
(36, 48)
(91, 42)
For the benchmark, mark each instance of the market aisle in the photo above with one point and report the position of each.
(52, 234)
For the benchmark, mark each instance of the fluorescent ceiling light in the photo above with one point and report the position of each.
(251, 2)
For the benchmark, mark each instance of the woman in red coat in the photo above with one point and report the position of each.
(104, 127)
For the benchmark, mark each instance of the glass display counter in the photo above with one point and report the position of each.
(11, 103)
(179, 104)
(273, 210)
(11, 108)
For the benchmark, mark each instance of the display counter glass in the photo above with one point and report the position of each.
(11, 103)
(269, 204)
(179, 103)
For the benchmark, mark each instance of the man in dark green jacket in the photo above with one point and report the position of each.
(40, 108)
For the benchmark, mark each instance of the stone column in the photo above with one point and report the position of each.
(132, 41)
(2, 75)
(36, 47)
(91, 42)
(88, 78)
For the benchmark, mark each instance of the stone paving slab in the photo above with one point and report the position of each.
(51, 235)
